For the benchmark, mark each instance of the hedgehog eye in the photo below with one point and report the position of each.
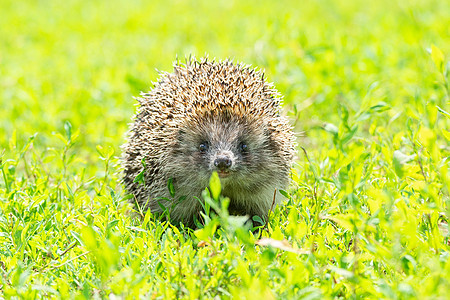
(203, 147)
(243, 147)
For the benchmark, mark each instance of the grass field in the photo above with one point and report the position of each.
(366, 82)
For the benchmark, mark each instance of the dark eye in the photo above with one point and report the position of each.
(203, 147)
(243, 147)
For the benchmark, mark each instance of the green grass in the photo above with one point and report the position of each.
(367, 82)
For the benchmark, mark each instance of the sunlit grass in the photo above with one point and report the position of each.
(366, 83)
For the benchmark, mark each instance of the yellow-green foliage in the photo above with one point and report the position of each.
(367, 217)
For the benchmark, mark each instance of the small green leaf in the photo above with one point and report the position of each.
(68, 129)
(443, 112)
(258, 220)
(438, 58)
(60, 137)
(446, 134)
(207, 232)
(348, 136)
(331, 128)
(147, 217)
(170, 187)
(284, 193)
(399, 160)
(140, 177)
(88, 237)
(105, 152)
(215, 186)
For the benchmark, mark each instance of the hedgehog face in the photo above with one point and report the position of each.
(239, 151)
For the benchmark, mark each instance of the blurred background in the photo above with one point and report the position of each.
(82, 61)
(367, 83)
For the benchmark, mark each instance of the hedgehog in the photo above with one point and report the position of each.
(208, 116)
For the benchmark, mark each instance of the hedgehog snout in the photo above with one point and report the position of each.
(222, 161)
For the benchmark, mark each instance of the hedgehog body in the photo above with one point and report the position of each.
(208, 116)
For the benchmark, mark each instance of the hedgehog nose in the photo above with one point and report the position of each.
(222, 162)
